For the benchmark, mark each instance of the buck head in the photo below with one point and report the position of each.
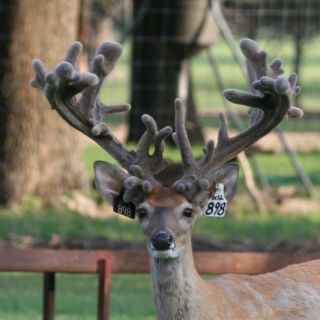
(166, 210)
(165, 215)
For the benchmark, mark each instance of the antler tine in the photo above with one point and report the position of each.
(159, 140)
(181, 136)
(191, 181)
(208, 152)
(146, 166)
(85, 114)
(73, 54)
(147, 138)
(256, 61)
(102, 64)
(257, 67)
(141, 167)
(40, 70)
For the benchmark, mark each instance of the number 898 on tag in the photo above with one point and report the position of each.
(216, 209)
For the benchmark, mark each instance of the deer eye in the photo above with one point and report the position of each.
(142, 213)
(187, 212)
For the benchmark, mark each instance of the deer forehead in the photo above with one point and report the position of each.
(165, 197)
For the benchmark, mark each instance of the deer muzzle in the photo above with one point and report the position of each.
(162, 240)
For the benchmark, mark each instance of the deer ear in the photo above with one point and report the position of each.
(228, 175)
(108, 180)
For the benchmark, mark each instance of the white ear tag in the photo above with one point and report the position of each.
(217, 205)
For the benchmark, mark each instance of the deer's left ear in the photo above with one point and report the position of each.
(109, 180)
(228, 175)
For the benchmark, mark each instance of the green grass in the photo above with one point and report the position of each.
(280, 170)
(292, 125)
(253, 227)
(41, 225)
(240, 223)
(76, 297)
(131, 298)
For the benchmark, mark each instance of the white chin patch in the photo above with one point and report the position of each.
(164, 254)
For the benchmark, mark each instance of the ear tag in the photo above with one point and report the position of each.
(126, 209)
(217, 205)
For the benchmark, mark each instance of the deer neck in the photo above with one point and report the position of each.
(176, 285)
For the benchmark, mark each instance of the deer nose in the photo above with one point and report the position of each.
(162, 240)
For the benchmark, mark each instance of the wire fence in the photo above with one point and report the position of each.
(286, 29)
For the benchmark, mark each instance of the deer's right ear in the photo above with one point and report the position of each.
(228, 175)
(108, 180)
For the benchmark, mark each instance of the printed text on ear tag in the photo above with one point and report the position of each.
(124, 208)
(217, 205)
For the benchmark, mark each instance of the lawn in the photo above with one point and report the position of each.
(76, 297)
(131, 298)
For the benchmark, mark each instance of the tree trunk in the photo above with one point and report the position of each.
(39, 153)
(165, 35)
(95, 27)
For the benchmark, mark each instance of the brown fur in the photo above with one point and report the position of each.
(292, 293)
(165, 197)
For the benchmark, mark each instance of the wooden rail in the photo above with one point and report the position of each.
(50, 262)
(104, 263)
(214, 262)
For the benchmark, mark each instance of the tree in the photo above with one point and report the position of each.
(166, 34)
(95, 26)
(39, 153)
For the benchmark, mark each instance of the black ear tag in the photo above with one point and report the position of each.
(124, 208)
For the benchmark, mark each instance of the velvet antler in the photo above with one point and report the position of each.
(271, 99)
(62, 87)
(271, 96)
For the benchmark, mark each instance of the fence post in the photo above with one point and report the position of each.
(104, 274)
(48, 295)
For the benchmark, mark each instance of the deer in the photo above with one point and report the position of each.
(167, 207)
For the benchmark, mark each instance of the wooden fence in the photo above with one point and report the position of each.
(104, 263)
